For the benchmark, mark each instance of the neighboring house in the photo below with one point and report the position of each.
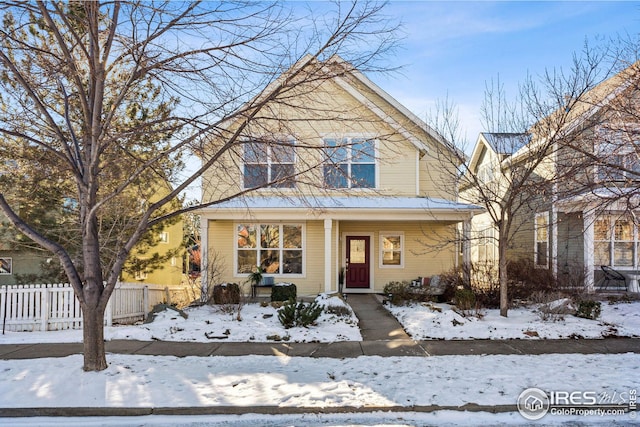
(369, 199)
(170, 245)
(584, 220)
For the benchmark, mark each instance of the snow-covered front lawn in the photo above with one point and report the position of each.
(218, 324)
(424, 321)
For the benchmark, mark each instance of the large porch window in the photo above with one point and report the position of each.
(351, 163)
(615, 241)
(277, 248)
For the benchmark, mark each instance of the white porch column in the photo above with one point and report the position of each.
(554, 241)
(588, 218)
(328, 224)
(466, 249)
(204, 256)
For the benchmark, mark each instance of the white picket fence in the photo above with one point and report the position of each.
(54, 307)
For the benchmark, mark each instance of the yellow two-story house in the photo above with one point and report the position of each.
(332, 183)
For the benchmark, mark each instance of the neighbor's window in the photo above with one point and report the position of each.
(277, 248)
(140, 275)
(391, 249)
(6, 266)
(542, 239)
(351, 163)
(164, 237)
(615, 240)
(617, 147)
(486, 245)
(269, 164)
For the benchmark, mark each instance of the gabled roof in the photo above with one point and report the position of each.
(343, 78)
(506, 143)
(391, 101)
(589, 104)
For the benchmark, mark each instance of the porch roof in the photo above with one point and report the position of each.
(601, 199)
(381, 208)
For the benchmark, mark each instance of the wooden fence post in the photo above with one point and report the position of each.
(168, 295)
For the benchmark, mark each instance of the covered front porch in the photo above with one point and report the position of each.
(604, 235)
(327, 244)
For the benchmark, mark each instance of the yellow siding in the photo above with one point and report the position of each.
(329, 111)
(424, 253)
(221, 243)
(171, 272)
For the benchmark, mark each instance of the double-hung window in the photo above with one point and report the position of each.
(617, 147)
(269, 164)
(276, 248)
(486, 245)
(391, 249)
(542, 239)
(351, 163)
(615, 241)
(6, 266)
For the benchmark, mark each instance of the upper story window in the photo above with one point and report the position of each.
(619, 151)
(351, 163)
(485, 172)
(269, 164)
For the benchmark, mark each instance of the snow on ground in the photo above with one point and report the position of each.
(440, 321)
(281, 381)
(214, 324)
(169, 381)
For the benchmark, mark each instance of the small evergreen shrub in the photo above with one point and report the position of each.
(465, 299)
(227, 293)
(588, 309)
(284, 292)
(397, 292)
(299, 314)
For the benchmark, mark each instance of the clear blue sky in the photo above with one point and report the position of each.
(454, 48)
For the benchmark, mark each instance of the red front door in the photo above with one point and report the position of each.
(357, 262)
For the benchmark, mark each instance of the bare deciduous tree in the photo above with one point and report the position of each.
(526, 136)
(105, 99)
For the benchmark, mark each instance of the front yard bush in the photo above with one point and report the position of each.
(284, 292)
(465, 299)
(400, 293)
(226, 293)
(299, 314)
(588, 309)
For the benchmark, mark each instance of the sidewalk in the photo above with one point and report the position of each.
(382, 336)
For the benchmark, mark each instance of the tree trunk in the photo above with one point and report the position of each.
(93, 338)
(502, 272)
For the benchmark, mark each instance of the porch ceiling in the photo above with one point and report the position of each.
(376, 208)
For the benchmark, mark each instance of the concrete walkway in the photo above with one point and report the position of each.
(381, 333)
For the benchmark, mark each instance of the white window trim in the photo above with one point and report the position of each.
(535, 240)
(164, 237)
(10, 273)
(267, 222)
(270, 162)
(376, 161)
(381, 250)
(612, 242)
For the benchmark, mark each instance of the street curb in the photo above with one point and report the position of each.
(241, 410)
